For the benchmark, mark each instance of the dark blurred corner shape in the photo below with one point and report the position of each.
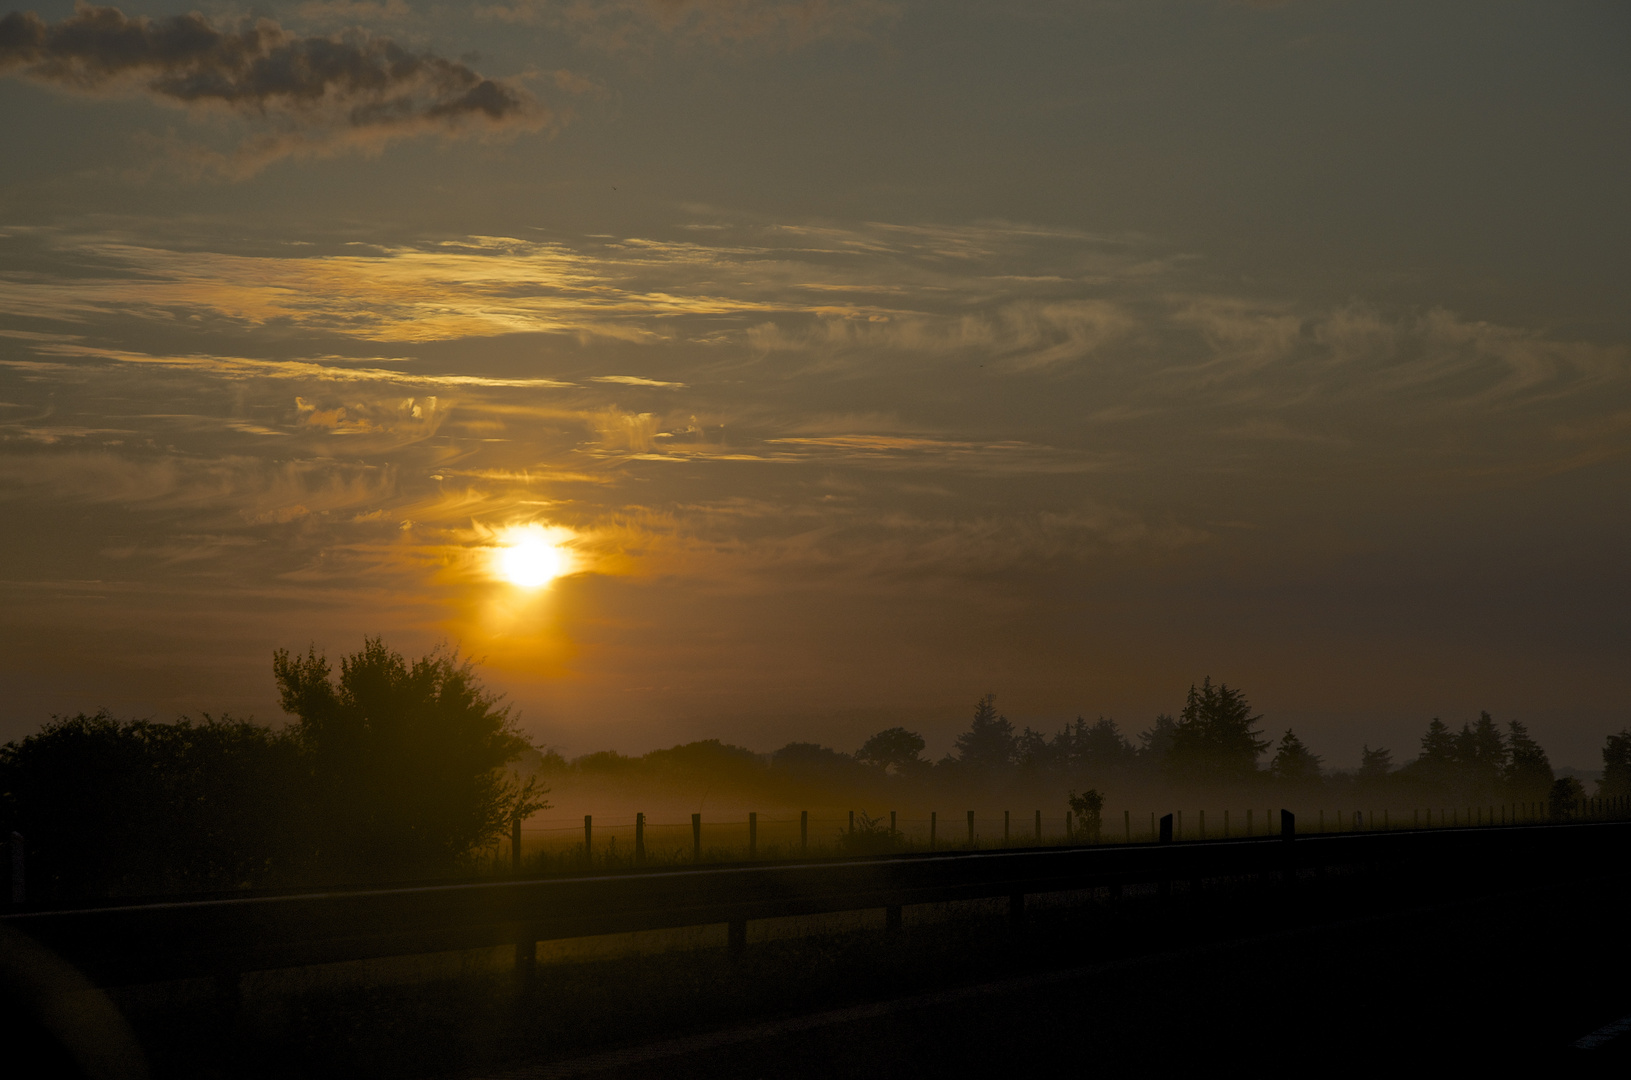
(54, 1023)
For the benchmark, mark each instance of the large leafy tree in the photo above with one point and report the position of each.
(1214, 739)
(405, 758)
(894, 748)
(110, 807)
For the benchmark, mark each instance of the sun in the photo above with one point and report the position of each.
(529, 557)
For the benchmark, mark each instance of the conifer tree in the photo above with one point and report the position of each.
(1214, 739)
(1294, 764)
(1528, 772)
(989, 742)
(1617, 765)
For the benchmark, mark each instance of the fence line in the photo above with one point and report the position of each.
(760, 836)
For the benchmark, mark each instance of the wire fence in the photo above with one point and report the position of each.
(614, 844)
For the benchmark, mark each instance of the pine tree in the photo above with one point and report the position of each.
(1616, 780)
(989, 742)
(1294, 764)
(1528, 772)
(1375, 764)
(1214, 739)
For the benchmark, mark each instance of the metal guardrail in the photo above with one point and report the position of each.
(222, 937)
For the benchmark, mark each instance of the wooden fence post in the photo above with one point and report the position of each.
(1288, 825)
(588, 840)
(753, 834)
(639, 839)
(1166, 829)
(696, 837)
(515, 846)
(971, 828)
(804, 830)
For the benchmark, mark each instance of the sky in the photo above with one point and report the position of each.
(856, 358)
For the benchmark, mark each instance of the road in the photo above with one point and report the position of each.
(1492, 979)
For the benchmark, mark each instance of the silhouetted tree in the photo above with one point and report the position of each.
(1214, 739)
(1374, 765)
(1294, 764)
(112, 807)
(1089, 810)
(405, 758)
(1528, 771)
(1616, 780)
(1480, 757)
(1565, 797)
(1155, 743)
(989, 743)
(894, 748)
(1100, 749)
(1434, 770)
(812, 761)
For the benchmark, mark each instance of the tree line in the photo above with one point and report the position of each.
(392, 769)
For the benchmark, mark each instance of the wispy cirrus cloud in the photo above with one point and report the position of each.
(296, 95)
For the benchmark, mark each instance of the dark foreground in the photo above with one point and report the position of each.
(1332, 972)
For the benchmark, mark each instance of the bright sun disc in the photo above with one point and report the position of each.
(529, 559)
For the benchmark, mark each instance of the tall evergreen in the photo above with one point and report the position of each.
(1214, 739)
(989, 742)
(1528, 772)
(1294, 764)
(1616, 765)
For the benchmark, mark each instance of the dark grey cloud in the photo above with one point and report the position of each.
(259, 70)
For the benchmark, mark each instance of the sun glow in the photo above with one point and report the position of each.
(529, 557)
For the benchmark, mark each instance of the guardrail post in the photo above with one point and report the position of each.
(19, 880)
(804, 830)
(588, 840)
(971, 828)
(737, 937)
(1166, 830)
(753, 834)
(696, 837)
(891, 919)
(932, 816)
(639, 839)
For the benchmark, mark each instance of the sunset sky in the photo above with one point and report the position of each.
(855, 357)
